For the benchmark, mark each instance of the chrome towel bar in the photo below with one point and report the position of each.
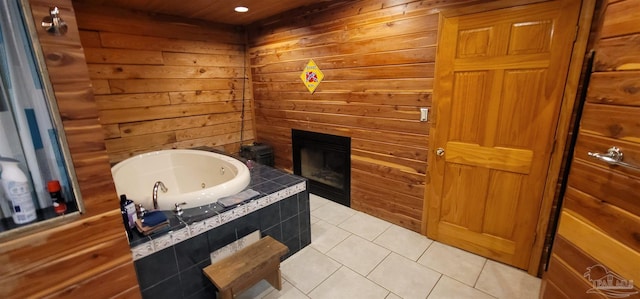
(614, 157)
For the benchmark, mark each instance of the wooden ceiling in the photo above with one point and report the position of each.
(219, 11)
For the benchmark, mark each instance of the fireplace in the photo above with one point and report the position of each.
(326, 161)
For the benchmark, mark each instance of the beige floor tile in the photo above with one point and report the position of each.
(404, 242)
(325, 236)
(453, 262)
(399, 264)
(333, 213)
(288, 292)
(365, 226)
(404, 277)
(503, 281)
(259, 290)
(358, 254)
(316, 201)
(308, 268)
(449, 288)
(347, 284)
(393, 296)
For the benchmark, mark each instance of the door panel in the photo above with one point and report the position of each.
(471, 86)
(461, 204)
(527, 88)
(530, 37)
(501, 204)
(499, 83)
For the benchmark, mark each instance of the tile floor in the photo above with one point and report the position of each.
(354, 255)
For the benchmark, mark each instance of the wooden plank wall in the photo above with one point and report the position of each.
(600, 221)
(89, 254)
(165, 82)
(378, 61)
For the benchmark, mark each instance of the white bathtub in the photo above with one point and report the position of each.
(192, 176)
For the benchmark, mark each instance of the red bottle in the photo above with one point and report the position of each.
(59, 205)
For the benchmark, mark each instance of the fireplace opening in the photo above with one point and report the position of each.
(325, 160)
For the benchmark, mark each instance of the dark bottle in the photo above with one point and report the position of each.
(126, 221)
(59, 204)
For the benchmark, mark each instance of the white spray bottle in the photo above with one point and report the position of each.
(16, 188)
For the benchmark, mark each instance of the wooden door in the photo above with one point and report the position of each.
(499, 85)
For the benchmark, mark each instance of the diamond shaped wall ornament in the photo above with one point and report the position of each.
(311, 76)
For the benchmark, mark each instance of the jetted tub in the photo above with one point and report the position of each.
(192, 176)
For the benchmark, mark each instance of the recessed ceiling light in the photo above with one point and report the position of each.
(241, 9)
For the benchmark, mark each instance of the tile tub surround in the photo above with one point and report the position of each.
(169, 264)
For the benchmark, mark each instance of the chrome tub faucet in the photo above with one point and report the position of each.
(155, 193)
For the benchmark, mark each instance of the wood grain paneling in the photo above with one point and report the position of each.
(622, 122)
(574, 284)
(619, 53)
(616, 222)
(217, 11)
(100, 18)
(620, 190)
(618, 21)
(90, 255)
(615, 88)
(600, 221)
(100, 55)
(165, 82)
(378, 63)
(615, 256)
(93, 286)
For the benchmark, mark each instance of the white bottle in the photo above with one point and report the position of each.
(16, 188)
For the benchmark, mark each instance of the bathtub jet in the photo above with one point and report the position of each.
(194, 177)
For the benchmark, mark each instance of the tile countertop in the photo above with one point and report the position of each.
(272, 184)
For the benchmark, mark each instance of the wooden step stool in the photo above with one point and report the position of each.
(243, 269)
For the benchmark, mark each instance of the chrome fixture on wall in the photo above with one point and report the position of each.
(53, 23)
(613, 156)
